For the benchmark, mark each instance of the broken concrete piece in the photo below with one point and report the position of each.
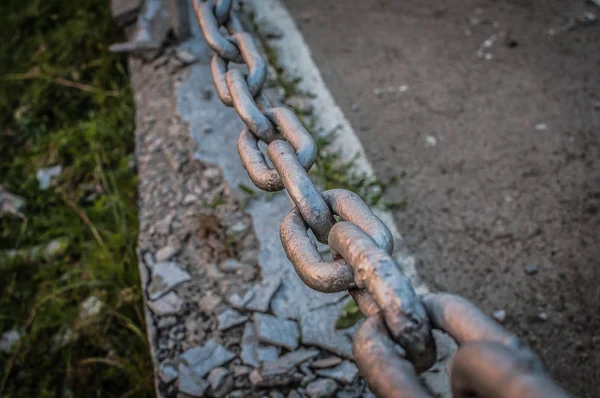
(168, 304)
(253, 353)
(240, 302)
(281, 371)
(167, 373)
(216, 377)
(166, 276)
(276, 331)
(267, 353)
(326, 362)
(166, 253)
(321, 388)
(318, 329)
(202, 360)
(230, 318)
(345, 372)
(263, 293)
(190, 383)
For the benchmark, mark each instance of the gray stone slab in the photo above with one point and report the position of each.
(267, 353)
(166, 276)
(289, 361)
(263, 293)
(321, 388)
(345, 372)
(190, 383)
(230, 318)
(326, 362)
(202, 360)
(167, 373)
(169, 304)
(276, 331)
(249, 345)
(318, 329)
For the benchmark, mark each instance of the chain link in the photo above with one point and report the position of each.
(395, 341)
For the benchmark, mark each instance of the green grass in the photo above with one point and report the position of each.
(65, 100)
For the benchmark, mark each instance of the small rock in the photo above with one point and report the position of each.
(294, 394)
(185, 56)
(281, 371)
(209, 302)
(8, 340)
(326, 362)
(355, 107)
(587, 18)
(431, 140)
(322, 388)
(190, 199)
(45, 176)
(207, 357)
(499, 315)
(231, 265)
(267, 353)
(216, 377)
(166, 276)
(169, 304)
(240, 302)
(276, 394)
(190, 383)
(167, 373)
(10, 204)
(277, 331)
(307, 379)
(541, 126)
(239, 229)
(241, 370)
(345, 372)
(166, 253)
(531, 269)
(230, 318)
(263, 293)
(90, 307)
(542, 316)
(166, 322)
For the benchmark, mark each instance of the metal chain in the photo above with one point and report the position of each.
(396, 340)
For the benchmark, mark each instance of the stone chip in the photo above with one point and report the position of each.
(321, 388)
(166, 276)
(276, 331)
(169, 304)
(345, 372)
(230, 318)
(203, 359)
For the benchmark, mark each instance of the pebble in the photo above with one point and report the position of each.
(326, 362)
(207, 357)
(166, 276)
(541, 126)
(294, 394)
(190, 199)
(277, 331)
(499, 315)
(216, 377)
(185, 56)
(230, 318)
(231, 265)
(167, 373)
(345, 372)
(355, 107)
(45, 176)
(209, 302)
(169, 304)
(190, 383)
(542, 316)
(322, 388)
(166, 322)
(240, 302)
(8, 340)
(240, 370)
(166, 253)
(431, 140)
(531, 269)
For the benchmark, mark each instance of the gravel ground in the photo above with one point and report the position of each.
(489, 110)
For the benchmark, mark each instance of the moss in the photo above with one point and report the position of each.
(64, 99)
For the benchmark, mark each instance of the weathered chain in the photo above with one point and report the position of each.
(396, 338)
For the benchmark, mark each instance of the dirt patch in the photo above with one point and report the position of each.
(489, 111)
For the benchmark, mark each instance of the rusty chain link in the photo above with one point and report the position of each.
(395, 341)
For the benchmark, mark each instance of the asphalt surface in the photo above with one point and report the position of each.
(490, 113)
